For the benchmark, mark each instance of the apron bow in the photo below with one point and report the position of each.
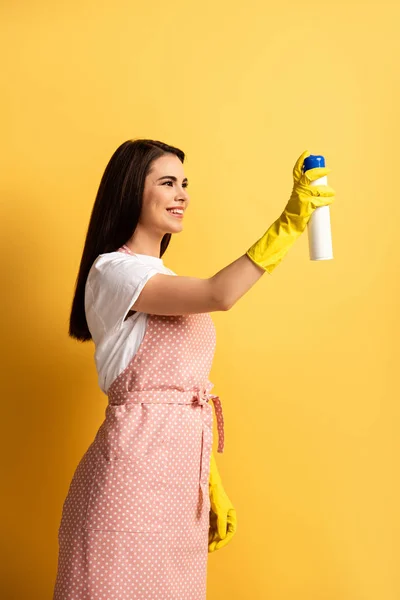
(201, 397)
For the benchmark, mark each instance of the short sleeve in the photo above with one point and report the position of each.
(113, 286)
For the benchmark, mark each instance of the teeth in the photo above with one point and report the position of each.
(176, 212)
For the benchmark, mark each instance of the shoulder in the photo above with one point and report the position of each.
(114, 282)
(111, 261)
(118, 268)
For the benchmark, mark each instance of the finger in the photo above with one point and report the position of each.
(313, 174)
(212, 546)
(232, 524)
(216, 543)
(322, 201)
(212, 542)
(212, 539)
(322, 190)
(298, 167)
(221, 543)
(222, 525)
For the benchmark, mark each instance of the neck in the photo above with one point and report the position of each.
(142, 243)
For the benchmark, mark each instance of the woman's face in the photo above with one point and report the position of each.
(165, 188)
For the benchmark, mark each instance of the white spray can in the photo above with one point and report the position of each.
(319, 225)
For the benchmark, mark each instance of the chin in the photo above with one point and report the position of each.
(178, 227)
(177, 230)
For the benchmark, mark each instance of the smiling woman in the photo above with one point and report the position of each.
(146, 475)
(146, 501)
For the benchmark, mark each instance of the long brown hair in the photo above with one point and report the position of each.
(115, 215)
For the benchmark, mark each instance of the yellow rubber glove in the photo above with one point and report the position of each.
(222, 514)
(271, 248)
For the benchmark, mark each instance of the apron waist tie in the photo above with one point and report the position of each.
(201, 397)
(124, 399)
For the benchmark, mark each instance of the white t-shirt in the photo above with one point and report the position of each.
(114, 283)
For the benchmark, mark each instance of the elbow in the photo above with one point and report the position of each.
(226, 305)
(221, 304)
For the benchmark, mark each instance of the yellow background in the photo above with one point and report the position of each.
(306, 363)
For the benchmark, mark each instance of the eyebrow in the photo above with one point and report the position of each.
(173, 178)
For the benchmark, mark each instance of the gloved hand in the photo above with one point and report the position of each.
(222, 514)
(271, 248)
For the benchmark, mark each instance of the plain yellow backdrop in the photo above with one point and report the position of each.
(306, 363)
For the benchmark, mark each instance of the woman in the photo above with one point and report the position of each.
(146, 504)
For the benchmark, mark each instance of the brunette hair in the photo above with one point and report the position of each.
(115, 215)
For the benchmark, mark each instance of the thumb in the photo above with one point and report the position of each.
(298, 167)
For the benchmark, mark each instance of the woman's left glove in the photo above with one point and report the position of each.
(222, 513)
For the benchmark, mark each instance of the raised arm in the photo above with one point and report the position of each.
(174, 295)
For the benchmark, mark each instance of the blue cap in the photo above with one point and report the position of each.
(313, 161)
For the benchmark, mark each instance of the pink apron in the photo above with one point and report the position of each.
(136, 517)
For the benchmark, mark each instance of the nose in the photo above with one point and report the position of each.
(183, 196)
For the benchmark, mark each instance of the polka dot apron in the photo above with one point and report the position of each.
(135, 520)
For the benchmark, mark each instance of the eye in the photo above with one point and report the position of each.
(184, 185)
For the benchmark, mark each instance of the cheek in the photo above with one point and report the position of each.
(161, 202)
(155, 210)
(156, 203)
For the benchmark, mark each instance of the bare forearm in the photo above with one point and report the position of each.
(233, 281)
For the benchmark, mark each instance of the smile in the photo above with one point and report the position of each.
(178, 215)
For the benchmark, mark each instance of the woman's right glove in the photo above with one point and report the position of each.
(271, 248)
